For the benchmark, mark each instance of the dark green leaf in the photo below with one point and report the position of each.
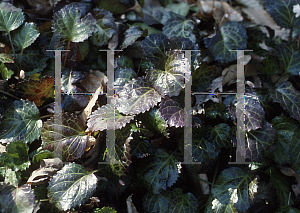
(157, 123)
(230, 191)
(231, 36)
(288, 97)
(17, 200)
(163, 172)
(185, 203)
(106, 117)
(295, 150)
(68, 25)
(21, 121)
(219, 135)
(122, 76)
(26, 35)
(290, 58)
(287, 209)
(153, 15)
(137, 96)
(180, 8)
(282, 12)
(260, 142)
(106, 27)
(140, 146)
(72, 186)
(172, 80)
(72, 140)
(131, 35)
(179, 27)
(10, 17)
(158, 203)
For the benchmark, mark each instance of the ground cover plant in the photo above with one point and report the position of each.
(46, 170)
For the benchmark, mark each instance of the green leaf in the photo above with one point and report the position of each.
(288, 97)
(153, 15)
(295, 150)
(5, 73)
(137, 96)
(158, 203)
(140, 146)
(21, 121)
(203, 77)
(155, 47)
(163, 171)
(72, 186)
(282, 12)
(151, 30)
(72, 140)
(290, 58)
(106, 117)
(219, 135)
(172, 80)
(105, 27)
(17, 200)
(104, 210)
(10, 176)
(260, 142)
(181, 8)
(6, 58)
(179, 27)
(26, 35)
(10, 17)
(230, 192)
(285, 130)
(156, 122)
(253, 112)
(16, 156)
(231, 36)
(68, 25)
(122, 76)
(185, 203)
(44, 154)
(281, 183)
(131, 35)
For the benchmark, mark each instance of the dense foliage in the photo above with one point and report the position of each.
(47, 166)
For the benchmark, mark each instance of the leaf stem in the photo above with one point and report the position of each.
(69, 42)
(13, 49)
(6, 93)
(46, 116)
(291, 35)
(21, 58)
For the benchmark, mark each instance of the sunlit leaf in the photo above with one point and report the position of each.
(10, 17)
(72, 186)
(37, 91)
(5, 73)
(26, 35)
(260, 142)
(68, 25)
(10, 176)
(131, 35)
(6, 58)
(288, 97)
(16, 200)
(122, 76)
(231, 36)
(105, 27)
(137, 96)
(106, 117)
(21, 121)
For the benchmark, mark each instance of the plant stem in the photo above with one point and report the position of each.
(21, 59)
(13, 49)
(46, 116)
(6, 93)
(291, 35)
(69, 42)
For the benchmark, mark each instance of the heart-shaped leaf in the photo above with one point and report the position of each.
(131, 35)
(290, 58)
(260, 142)
(72, 186)
(10, 17)
(25, 36)
(179, 27)
(282, 12)
(104, 118)
(219, 135)
(172, 80)
(16, 200)
(231, 36)
(73, 139)
(37, 91)
(21, 121)
(288, 97)
(252, 112)
(163, 172)
(68, 25)
(105, 27)
(137, 96)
